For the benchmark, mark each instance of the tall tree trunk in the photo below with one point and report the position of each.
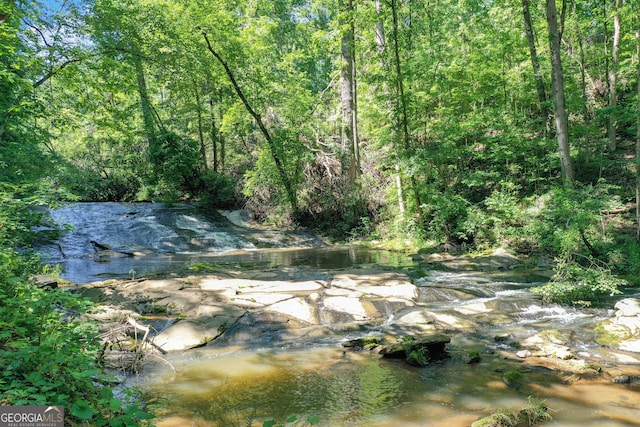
(560, 112)
(638, 138)
(537, 74)
(612, 75)
(284, 178)
(203, 147)
(381, 42)
(214, 132)
(402, 114)
(145, 101)
(583, 72)
(348, 93)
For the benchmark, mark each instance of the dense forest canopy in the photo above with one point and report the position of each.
(465, 123)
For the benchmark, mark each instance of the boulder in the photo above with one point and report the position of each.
(364, 343)
(549, 343)
(419, 351)
(623, 330)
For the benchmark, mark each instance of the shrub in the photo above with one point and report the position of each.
(575, 284)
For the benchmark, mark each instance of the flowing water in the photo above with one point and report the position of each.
(229, 386)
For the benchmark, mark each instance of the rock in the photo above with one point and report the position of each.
(513, 378)
(471, 357)
(622, 331)
(419, 351)
(621, 379)
(628, 307)
(523, 354)
(432, 320)
(43, 281)
(502, 337)
(192, 333)
(365, 343)
(549, 343)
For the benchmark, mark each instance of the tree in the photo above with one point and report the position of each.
(560, 112)
(612, 77)
(348, 93)
(540, 87)
(401, 112)
(381, 44)
(272, 143)
(638, 134)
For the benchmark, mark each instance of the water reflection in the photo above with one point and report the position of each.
(345, 388)
(357, 389)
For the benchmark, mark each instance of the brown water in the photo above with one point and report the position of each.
(361, 389)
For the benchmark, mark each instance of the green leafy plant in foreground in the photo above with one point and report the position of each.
(50, 357)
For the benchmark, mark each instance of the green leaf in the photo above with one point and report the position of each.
(269, 423)
(292, 419)
(313, 420)
(82, 410)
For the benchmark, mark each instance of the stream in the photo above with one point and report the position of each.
(228, 384)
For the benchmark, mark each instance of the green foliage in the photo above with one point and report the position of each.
(175, 162)
(50, 356)
(532, 414)
(218, 190)
(418, 357)
(575, 284)
(415, 355)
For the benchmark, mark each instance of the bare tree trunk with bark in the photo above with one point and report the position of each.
(381, 42)
(560, 112)
(613, 77)
(348, 91)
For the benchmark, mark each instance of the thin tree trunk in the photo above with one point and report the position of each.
(286, 182)
(347, 93)
(638, 139)
(583, 72)
(537, 74)
(145, 102)
(203, 148)
(381, 42)
(560, 112)
(612, 74)
(214, 133)
(402, 101)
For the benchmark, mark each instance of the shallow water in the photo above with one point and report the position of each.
(243, 386)
(358, 389)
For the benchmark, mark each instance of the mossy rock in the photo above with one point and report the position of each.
(513, 378)
(532, 414)
(472, 357)
(365, 343)
(611, 335)
(419, 351)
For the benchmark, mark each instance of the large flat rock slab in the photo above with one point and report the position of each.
(287, 304)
